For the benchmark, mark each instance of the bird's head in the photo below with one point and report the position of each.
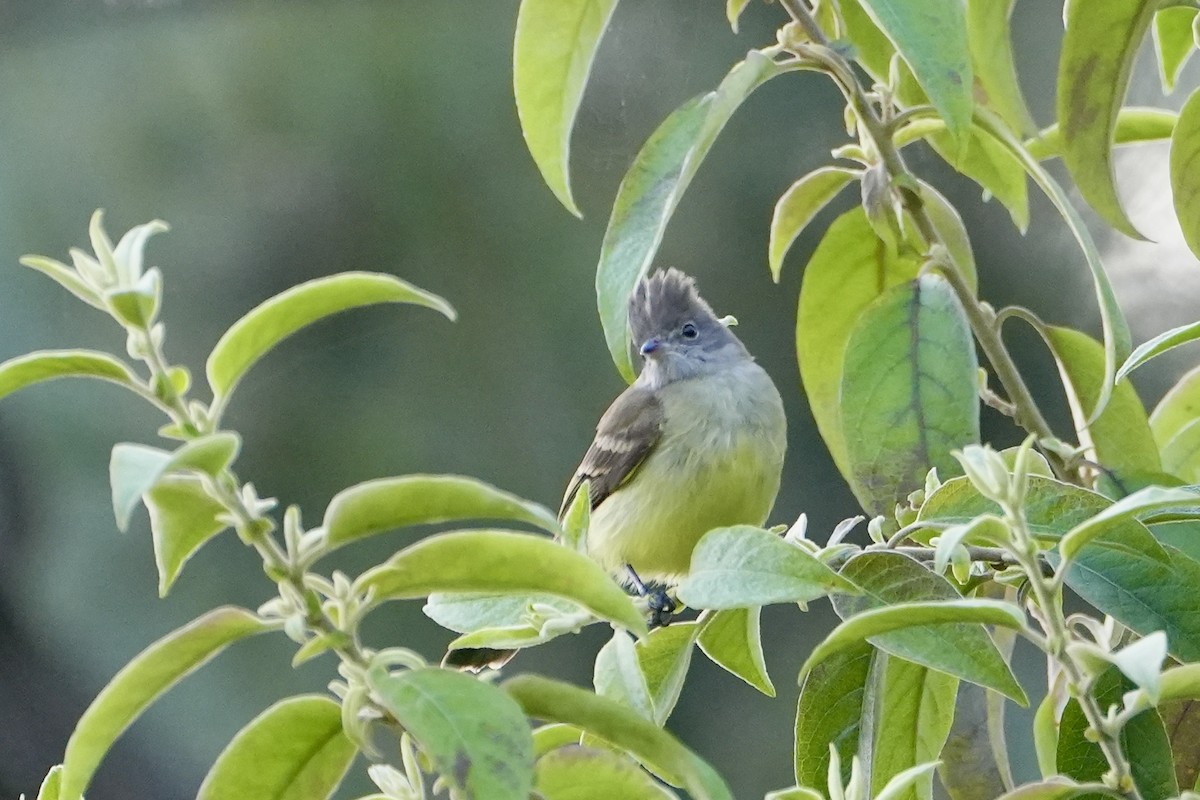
(676, 332)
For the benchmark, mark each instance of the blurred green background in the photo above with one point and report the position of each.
(288, 141)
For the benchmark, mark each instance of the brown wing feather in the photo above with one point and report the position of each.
(625, 435)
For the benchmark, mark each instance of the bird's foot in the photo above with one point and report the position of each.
(662, 608)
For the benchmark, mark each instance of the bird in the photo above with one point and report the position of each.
(696, 442)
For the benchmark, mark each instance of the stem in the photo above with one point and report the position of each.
(1058, 636)
(981, 317)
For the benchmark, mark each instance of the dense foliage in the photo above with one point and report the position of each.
(970, 549)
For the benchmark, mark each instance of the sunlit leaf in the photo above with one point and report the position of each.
(652, 188)
(1098, 49)
(132, 470)
(182, 518)
(1149, 499)
(834, 699)
(385, 504)
(732, 639)
(744, 566)
(1058, 788)
(51, 785)
(664, 657)
(914, 712)
(501, 562)
(555, 45)
(585, 773)
(1134, 126)
(803, 200)
(151, 673)
(252, 336)
(471, 611)
(65, 277)
(295, 750)
(848, 271)
(47, 365)
(1120, 436)
(476, 736)
(1179, 407)
(931, 35)
(996, 84)
(1173, 42)
(1185, 171)
(733, 12)
(658, 750)
(907, 395)
(618, 676)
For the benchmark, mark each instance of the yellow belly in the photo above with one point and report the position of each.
(718, 464)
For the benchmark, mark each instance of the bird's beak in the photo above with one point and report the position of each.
(651, 345)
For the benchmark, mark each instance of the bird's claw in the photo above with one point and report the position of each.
(662, 608)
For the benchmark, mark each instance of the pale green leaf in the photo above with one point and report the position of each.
(732, 639)
(183, 516)
(835, 699)
(744, 566)
(848, 271)
(1185, 171)
(1097, 56)
(1119, 435)
(494, 561)
(65, 277)
(658, 750)
(385, 504)
(652, 188)
(470, 612)
(618, 675)
(151, 673)
(1173, 42)
(1142, 661)
(51, 785)
(914, 712)
(1151, 498)
(1181, 453)
(132, 470)
(1158, 345)
(803, 200)
(953, 233)
(908, 393)
(1134, 126)
(1058, 788)
(931, 35)
(1179, 407)
(906, 780)
(555, 45)
(252, 336)
(47, 365)
(585, 773)
(996, 83)
(664, 657)
(295, 750)
(476, 736)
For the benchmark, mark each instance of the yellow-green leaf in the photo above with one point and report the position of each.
(1185, 171)
(1173, 42)
(803, 200)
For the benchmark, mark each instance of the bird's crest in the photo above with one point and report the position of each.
(664, 301)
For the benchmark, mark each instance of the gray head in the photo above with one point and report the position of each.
(676, 332)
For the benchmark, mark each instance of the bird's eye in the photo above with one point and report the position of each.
(689, 331)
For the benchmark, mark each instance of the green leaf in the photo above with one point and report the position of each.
(1179, 407)
(295, 750)
(664, 657)
(1045, 734)
(1158, 345)
(1181, 453)
(51, 784)
(618, 675)
(832, 707)
(931, 35)
(253, 335)
(848, 271)
(1173, 42)
(1143, 740)
(1098, 49)
(1119, 435)
(65, 277)
(476, 736)
(975, 763)
(208, 454)
(661, 752)
(182, 518)
(651, 190)
(892, 580)
(733, 12)
(1182, 722)
(555, 46)
(1058, 788)
(732, 639)
(1134, 126)
(1150, 498)
(992, 60)
(744, 566)
(501, 562)
(908, 391)
(132, 470)
(385, 504)
(949, 225)
(471, 611)
(1117, 339)
(803, 200)
(875, 623)
(47, 365)
(585, 773)
(914, 712)
(1185, 177)
(140, 682)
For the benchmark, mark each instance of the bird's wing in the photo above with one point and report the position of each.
(625, 435)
